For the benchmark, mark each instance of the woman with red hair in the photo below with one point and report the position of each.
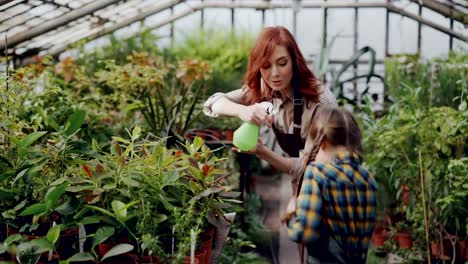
(276, 72)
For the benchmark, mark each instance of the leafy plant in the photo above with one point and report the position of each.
(225, 51)
(441, 80)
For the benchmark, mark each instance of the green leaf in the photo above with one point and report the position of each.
(75, 189)
(118, 250)
(53, 234)
(230, 194)
(208, 191)
(160, 218)
(90, 220)
(26, 254)
(79, 257)
(70, 206)
(462, 106)
(99, 209)
(109, 186)
(119, 139)
(128, 149)
(3, 248)
(120, 209)
(74, 122)
(166, 204)
(15, 140)
(19, 176)
(54, 193)
(31, 138)
(197, 143)
(12, 239)
(130, 182)
(35, 209)
(43, 243)
(136, 132)
(102, 234)
(170, 178)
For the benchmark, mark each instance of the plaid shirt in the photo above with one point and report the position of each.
(345, 193)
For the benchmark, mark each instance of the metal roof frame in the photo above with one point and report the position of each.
(52, 24)
(89, 22)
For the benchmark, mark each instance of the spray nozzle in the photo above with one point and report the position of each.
(269, 108)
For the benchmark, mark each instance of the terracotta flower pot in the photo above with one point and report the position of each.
(188, 136)
(405, 194)
(104, 248)
(461, 245)
(228, 134)
(187, 260)
(201, 255)
(45, 259)
(207, 242)
(436, 251)
(67, 239)
(379, 237)
(126, 258)
(404, 240)
(466, 252)
(11, 231)
(216, 134)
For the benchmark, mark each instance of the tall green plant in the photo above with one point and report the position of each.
(393, 145)
(226, 52)
(441, 80)
(118, 49)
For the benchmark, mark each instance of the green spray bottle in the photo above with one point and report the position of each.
(246, 136)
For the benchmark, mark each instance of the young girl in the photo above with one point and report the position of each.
(334, 212)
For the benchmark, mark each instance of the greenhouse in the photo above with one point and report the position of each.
(233, 131)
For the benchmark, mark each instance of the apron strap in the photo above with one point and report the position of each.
(298, 102)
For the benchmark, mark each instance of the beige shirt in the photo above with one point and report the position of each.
(284, 118)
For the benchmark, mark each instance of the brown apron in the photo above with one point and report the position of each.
(293, 143)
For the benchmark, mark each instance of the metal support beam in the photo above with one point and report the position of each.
(444, 10)
(60, 21)
(419, 28)
(387, 31)
(296, 6)
(263, 18)
(172, 27)
(426, 22)
(109, 28)
(2, 2)
(259, 5)
(202, 21)
(233, 20)
(10, 4)
(451, 38)
(3, 19)
(355, 48)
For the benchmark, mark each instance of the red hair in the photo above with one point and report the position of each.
(302, 77)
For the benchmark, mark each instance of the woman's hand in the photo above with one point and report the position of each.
(290, 210)
(257, 149)
(255, 114)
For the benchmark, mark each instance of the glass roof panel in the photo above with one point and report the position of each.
(17, 29)
(34, 22)
(41, 10)
(22, 15)
(75, 4)
(54, 13)
(18, 9)
(62, 2)
(9, 5)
